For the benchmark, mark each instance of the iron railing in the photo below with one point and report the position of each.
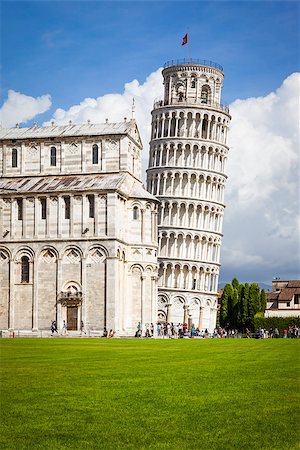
(192, 61)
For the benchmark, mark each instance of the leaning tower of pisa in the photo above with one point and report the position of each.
(187, 172)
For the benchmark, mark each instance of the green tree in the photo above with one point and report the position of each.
(235, 283)
(244, 296)
(253, 302)
(263, 300)
(227, 292)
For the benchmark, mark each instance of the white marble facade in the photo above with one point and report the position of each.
(78, 230)
(187, 173)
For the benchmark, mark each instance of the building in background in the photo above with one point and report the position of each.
(78, 232)
(284, 300)
(187, 173)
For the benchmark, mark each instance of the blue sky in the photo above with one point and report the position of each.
(75, 50)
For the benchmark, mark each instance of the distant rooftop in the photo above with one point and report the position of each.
(192, 61)
(65, 130)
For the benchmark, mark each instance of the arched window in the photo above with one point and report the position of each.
(193, 82)
(14, 158)
(95, 154)
(53, 156)
(135, 213)
(24, 269)
(205, 92)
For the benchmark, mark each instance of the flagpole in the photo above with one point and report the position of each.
(189, 53)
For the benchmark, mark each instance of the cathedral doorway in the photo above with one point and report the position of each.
(69, 306)
(72, 317)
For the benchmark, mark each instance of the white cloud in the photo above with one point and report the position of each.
(20, 108)
(262, 195)
(115, 107)
(264, 141)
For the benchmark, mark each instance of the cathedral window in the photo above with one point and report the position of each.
(91, 200)
(67, 207)
(14, 158)
(135, 213)
(95, 154)
(24, 269)
(20, 208)
(43, 208)
(53, 156)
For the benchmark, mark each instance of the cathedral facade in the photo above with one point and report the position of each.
(78, 230)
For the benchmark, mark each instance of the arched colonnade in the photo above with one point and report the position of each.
(190, 215)
(189, 277)
(193, 124)
(187, 184)
(188, 246)
(188, 155)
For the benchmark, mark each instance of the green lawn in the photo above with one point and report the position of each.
(156, 394)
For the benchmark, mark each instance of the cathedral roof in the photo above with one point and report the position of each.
(91, 129)
(121, 182)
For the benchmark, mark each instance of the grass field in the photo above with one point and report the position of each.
(156, 394)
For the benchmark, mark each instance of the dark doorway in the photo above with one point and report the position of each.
(72, 317)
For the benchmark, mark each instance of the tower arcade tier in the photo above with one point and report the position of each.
(187, 172)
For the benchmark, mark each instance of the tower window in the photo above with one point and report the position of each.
(135, 213)
(205, 91)
(95, 154)
(43, 208)
(20, 208)
(14, 158)
(91, 200)
(67, 207)
(24, 269)
(53, 156)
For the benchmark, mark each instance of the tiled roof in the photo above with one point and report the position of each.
(272, 296)
(121, 182)
(66, 130)
(294, 284)
(286, 294)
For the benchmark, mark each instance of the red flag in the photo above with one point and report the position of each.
(185, 39)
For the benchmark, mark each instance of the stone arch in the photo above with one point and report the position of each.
(49, 254)
(23, 250)
(72, 287)
(97, 254)
(178, 308)
(72, 254)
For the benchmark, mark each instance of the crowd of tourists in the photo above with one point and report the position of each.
(182, 330)
(290, 332)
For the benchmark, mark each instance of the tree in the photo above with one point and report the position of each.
(263, 300)
(253, 302)
(227, 292)
(240, 303)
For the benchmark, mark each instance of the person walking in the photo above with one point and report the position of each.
(82, 330)
(64, 328)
